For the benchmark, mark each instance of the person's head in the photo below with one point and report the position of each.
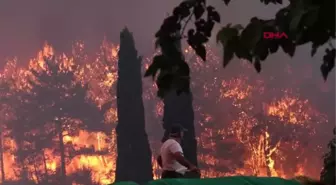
(177, 132)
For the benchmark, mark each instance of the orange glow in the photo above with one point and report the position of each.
(229, 112)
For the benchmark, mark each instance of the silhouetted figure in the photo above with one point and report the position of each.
(171, 158)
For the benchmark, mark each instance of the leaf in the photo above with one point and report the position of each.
(200, 25)
(215, 16)
(225, 34)
(266, 2)
(324, 72)
(274, 46)
(208, 28)
(157, 43)
(200, 38)
(238, 27)
(313, 51)
(257, 65)
(201, 52)
(186, 3)
(226, 2)
(185, 12)
(164, 83)
(310, 18)
(191, 33)
(155, 66)
(198, 11)
(288, 47)
(296, 19)
(261, 50)
(210, 9)
(228, 54)
(328, 63)
(242, 52)
(252, 34)
(177, 11)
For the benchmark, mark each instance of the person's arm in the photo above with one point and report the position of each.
(182, 160)
(177, 153)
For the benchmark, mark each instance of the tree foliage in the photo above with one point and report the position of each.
(304, 21)
(55, 106)
(328, 172)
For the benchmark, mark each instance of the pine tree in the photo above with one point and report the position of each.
(328, 172)
(51, 109)
(134, 154)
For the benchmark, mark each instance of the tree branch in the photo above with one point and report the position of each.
(185, 25)
(331, 44)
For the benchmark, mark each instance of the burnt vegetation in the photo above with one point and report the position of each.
(70, 120)
(64, 121)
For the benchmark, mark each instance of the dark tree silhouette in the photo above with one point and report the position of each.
(134, 154)
(303, 21)
(178, 109)
(5, 103)
(2, 166)
(55, 105)
(328, 172)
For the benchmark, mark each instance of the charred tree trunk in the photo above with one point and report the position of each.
(46, 174)
(134, 154)
(37, 174)
(2, 165)
(21, 158)
(62, 152)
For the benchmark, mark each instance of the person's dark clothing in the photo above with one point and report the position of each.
(170, 175)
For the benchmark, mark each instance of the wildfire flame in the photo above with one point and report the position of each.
(244, 142)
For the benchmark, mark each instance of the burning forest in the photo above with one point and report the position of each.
(59, 114)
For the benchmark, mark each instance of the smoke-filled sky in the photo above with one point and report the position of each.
(26, 25)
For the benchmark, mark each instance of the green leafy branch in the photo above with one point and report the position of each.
(304, 21)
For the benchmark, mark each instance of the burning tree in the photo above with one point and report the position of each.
(53, 108)
(247, 127)
(328, 172)
(5, 89)
(267, 135)
(244, 125)
(134, 154)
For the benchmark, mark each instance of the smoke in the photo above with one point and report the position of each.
(26, 25)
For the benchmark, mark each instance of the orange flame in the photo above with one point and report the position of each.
(260, 155)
